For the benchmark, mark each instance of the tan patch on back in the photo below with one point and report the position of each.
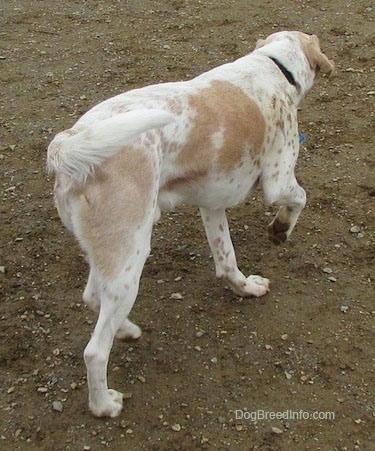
(222, 108)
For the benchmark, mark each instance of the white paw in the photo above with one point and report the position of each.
(254, 286)
(129, 331)
(111, 407)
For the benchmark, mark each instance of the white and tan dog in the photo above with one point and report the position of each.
(205, 142)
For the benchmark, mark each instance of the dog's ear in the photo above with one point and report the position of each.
(260, 43)
(317, 59)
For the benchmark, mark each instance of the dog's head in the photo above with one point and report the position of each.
(309, 45)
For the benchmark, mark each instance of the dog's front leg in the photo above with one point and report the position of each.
(217, 231)
(292, 203)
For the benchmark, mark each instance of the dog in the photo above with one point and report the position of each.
(206, 142)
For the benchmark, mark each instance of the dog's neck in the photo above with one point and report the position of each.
(288, 75)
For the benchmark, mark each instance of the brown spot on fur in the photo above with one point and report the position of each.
(222, 106)
(189, 179)
(175, 107)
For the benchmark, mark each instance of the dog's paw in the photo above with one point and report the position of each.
(254, 286)
(111, 407)
(277, 231)
(129, 331)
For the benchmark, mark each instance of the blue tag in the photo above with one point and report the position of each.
(301, 138)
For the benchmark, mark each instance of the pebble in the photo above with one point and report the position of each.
(176, 296)
(2, 269)
(57, 406)
(276, 431)
(344, 308)
(42, 390)
(327, 270)
(284, 337)
(355, 229)
(176, 427)
(288, 375)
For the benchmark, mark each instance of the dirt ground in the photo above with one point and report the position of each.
(306, 348)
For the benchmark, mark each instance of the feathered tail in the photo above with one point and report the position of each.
(76, 152)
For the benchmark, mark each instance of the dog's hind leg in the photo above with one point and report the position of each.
(91, 297)
(117, 295)
(91, 294)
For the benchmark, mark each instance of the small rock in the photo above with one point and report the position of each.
(288, 375)
(10, 390)
(141, 379)
(42, 390)
(276, 431)
(269, 347)
(327, 270)
(344, 308)
(355, 229)
(332, 279)
(284, 337)
(214, 360)
(199, 334)
(2, 269)
(57, 406)
(176, 296)
(176, 427)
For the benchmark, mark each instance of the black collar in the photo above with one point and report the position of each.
(288, 75)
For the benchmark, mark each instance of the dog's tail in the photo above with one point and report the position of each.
(77, 151)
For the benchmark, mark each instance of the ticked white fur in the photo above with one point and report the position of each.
(205, 142)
